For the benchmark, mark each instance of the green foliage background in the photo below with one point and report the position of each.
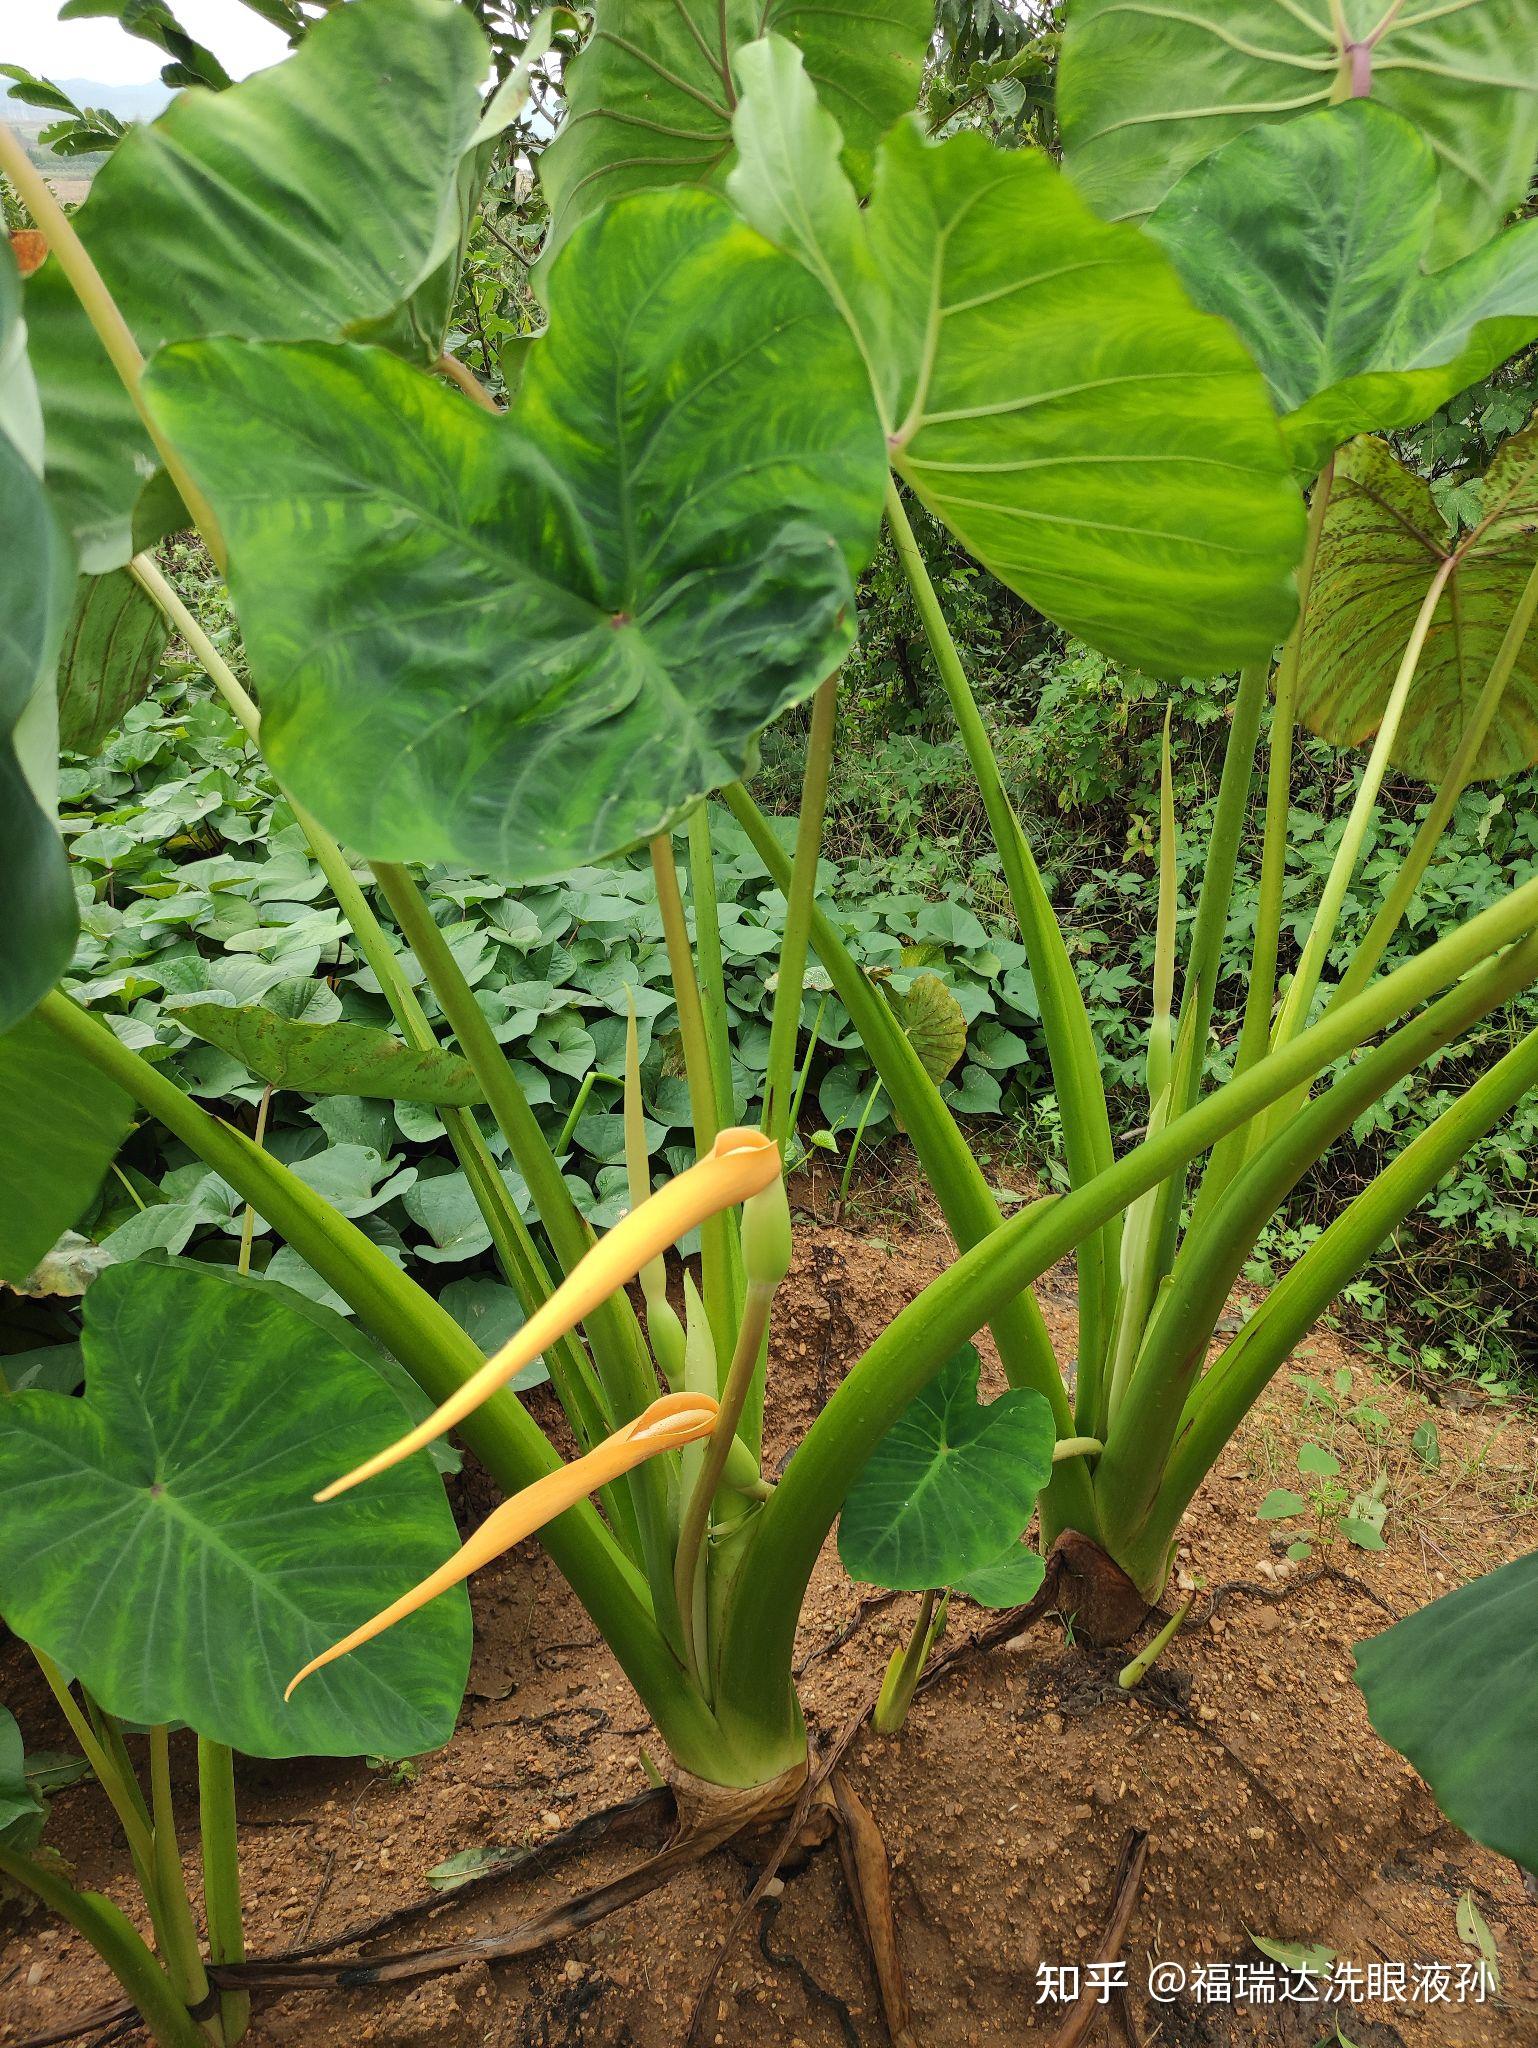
(196, 884)
(200, 887)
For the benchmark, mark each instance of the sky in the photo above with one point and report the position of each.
(31, 34)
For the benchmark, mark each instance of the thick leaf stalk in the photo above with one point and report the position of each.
(1128, 1477)
(619, 1350)
(719, 1261)
(1305, 980)
(183, 1958)
(712, 966)
(120, 1785)
(221, 1878)
(1205, 960)
(1302, 1296)
(915, 1344)
(785, 1020)
(1265, 950)
(120, 1947)
(663, 1327)
(766, 1250)
(112, 329)
(1071, 1050)
(1025, 1344)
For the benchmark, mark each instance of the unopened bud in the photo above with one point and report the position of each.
(667, 1336)
(766, 1235)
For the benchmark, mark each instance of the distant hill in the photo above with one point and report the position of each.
(128, 102)
(71, 175)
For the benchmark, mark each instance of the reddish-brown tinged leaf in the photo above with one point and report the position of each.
(1382, 542)
(29, 246)
(1145, 92)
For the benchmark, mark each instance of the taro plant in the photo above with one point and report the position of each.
(530, 639)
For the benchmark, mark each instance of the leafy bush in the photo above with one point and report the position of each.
(202, 887)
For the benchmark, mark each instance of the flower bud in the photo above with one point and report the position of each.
(766, 1235)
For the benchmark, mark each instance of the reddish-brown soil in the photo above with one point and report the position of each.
(1272, 1808)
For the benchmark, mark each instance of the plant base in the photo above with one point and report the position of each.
(1090, 1590)
(722, 1811)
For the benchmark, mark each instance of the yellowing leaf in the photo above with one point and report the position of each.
(935, 1024)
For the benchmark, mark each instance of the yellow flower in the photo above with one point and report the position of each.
(669, 1423)
(740, 1164)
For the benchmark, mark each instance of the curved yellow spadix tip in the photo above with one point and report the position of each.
(741, 1163)
(667, 1425)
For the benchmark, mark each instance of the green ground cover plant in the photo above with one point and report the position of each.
(204, 891)
(522, 656)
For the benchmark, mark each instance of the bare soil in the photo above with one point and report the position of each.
(1272, 1808)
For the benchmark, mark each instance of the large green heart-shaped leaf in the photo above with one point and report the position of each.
(37, 904)
(330, 1059)
(1382, 541)
(309, 202)
(61, 1121)
(525, 643)
(1146, 88)
(1454, 1688)
(649, 100)
(1047, 387)
(115, 636)
(160, 1538)
(1310, 236)
(949, 1486)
